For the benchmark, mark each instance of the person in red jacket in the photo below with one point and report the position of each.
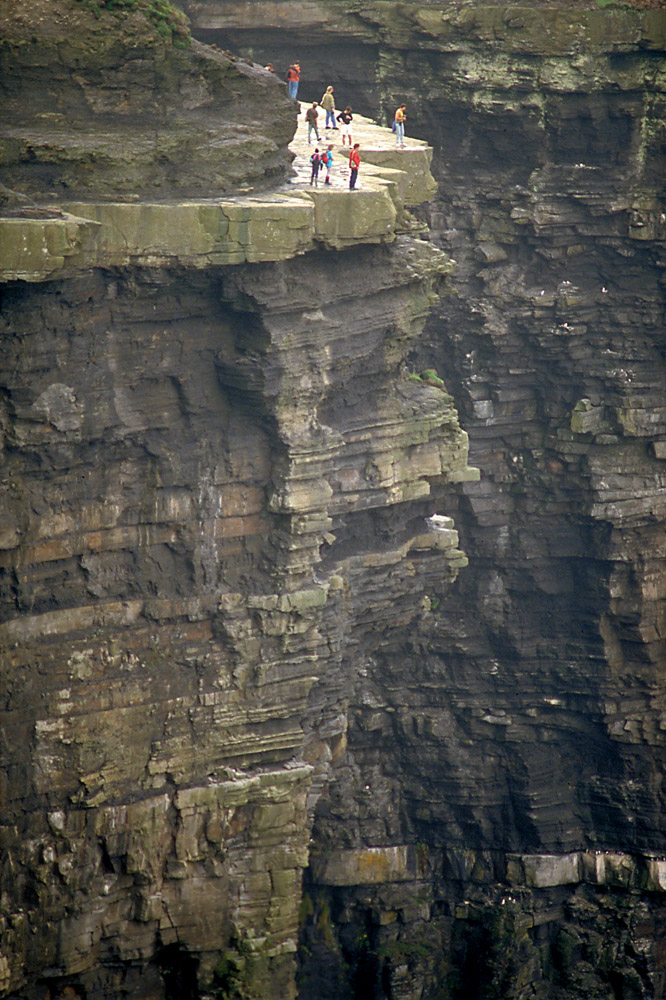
(293, 77)
(354, 164)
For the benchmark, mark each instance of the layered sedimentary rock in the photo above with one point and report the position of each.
(223, 491)
(236, 645)
(497, 825)
(106, 103)
(177, 647)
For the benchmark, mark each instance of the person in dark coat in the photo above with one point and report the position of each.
(316, 163)
(311, 116)
(345, 118)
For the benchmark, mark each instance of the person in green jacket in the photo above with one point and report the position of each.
(328, 104)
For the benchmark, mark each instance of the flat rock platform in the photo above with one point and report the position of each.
(268, 226)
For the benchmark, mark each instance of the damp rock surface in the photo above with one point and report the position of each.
(519, 724)
(331, 570)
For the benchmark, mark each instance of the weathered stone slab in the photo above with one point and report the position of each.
(409, 168)
(343, 218)
(41, 248)
(542, 870)
(200, 234)
(367, 866)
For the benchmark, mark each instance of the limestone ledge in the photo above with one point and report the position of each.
(205, 233)
(594, 867)
(525, 28)
(367, 866)
(400, 456)
(403, 862)
(533, 30)
(543, 871)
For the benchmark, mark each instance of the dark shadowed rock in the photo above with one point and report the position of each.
(107, 104)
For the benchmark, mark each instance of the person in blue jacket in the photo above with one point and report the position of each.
(327, 161)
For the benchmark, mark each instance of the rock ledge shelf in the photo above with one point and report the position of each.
(293, 219)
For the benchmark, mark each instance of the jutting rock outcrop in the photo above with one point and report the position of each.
(497, 826)
(222, 492)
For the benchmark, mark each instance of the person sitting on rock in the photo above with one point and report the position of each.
(345, 118)
(328, 104)
(311, 116)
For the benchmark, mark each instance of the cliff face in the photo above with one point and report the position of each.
(120, 105)
(238, 654)
(216, 479)
(175, 671)
(517, 732)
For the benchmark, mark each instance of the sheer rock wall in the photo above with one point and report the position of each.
(216, 484)
(233, 649)
(497, 826)
(176, 647)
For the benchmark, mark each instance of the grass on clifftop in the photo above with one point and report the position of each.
(168, 21)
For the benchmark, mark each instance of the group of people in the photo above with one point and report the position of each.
(344, 118)
(320, 161)
(341, 122)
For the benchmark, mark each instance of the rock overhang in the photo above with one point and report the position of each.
(201, 233)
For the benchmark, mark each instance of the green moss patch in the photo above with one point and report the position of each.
(167, 20)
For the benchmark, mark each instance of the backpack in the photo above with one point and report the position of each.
(315, 159)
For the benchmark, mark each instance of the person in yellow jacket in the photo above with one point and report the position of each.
(328, 104)
(400, 119)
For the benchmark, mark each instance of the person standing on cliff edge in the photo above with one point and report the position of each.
(327, 161)
(316, 163)
(354, 164)
(400, 119)
(293, 77)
